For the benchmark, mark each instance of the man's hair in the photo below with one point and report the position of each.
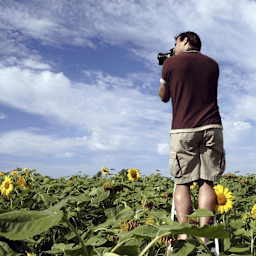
(192, 37)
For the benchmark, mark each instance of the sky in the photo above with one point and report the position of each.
(79, 82)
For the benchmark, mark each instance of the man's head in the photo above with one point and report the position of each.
(186, 40)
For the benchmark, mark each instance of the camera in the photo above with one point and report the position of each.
(163, 56)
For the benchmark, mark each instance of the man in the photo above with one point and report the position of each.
(190, 79)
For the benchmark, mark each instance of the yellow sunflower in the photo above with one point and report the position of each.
(193, 185)
(133, 174)
(29, 254)
(245, 217)
(21, 181)
(2, 174)
(104, 170)
(7, 186)
(253, 212)
(224, 199)
(14, 173)
(25, 186)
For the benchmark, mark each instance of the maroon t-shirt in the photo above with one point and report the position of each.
(193, 79)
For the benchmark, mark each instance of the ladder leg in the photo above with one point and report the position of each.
(216, 240)
(173, 212)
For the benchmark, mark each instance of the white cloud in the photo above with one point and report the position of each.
(238, 135)
(113, 117)
(83, 105)
(222, 30)
(164, 149)
(31, 63)
(23, 143)
(65, 155)
(2, 116)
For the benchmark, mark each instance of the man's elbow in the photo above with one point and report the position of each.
(164, 99)
(164, 93)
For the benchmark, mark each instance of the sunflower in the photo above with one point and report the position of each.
(21, 181)
(104, 170)
(29, 254)
(245, 217)
(193, 185)
(14, 173)
(133, 174)
(150, 221)
(25, 186)
(253, 212)
(7, 186)
(224, 199)
(2, 174)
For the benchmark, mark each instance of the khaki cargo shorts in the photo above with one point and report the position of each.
(197, 155)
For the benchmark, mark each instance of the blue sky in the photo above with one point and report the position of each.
(79, 82)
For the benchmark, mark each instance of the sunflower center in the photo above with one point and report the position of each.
(221, 199)
(134, 174)
(7, 185)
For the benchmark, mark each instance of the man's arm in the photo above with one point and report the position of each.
(164, 92)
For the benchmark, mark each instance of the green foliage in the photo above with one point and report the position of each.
(110, 216)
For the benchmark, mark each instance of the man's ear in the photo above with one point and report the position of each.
(185, 40)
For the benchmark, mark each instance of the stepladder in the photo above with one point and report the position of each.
(215, 250)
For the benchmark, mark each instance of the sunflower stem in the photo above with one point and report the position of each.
(65, 219)
(117, 246)
(152, 243)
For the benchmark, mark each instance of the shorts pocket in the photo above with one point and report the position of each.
(174, 165)
(222, 162)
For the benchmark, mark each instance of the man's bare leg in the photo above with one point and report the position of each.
(206, 201)
(182, 202)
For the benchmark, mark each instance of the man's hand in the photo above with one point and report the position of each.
(164, 92)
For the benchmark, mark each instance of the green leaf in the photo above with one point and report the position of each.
(79, 199)
(123, 215)
(4, 248)
(110, 212)
(96, 241)
(186, 247)
(129, 250)
(238, 249)
(209, 231)
(69, 249)
(100, 198)
(145, 231)
(227, 244)
(46, 198)
(239, 231)
(236, 224)
(56, 208)
(18, 225)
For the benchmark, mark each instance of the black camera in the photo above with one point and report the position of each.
(163, 56)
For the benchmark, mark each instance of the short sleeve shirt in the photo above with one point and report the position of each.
(193, 80)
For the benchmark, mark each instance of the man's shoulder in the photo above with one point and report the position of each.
(175, 60)
(203, 56)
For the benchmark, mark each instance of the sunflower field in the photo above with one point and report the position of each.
(119, 214)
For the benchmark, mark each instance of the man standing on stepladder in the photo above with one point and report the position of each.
(190, 79)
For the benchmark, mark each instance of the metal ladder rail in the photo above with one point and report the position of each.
(173, 213)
